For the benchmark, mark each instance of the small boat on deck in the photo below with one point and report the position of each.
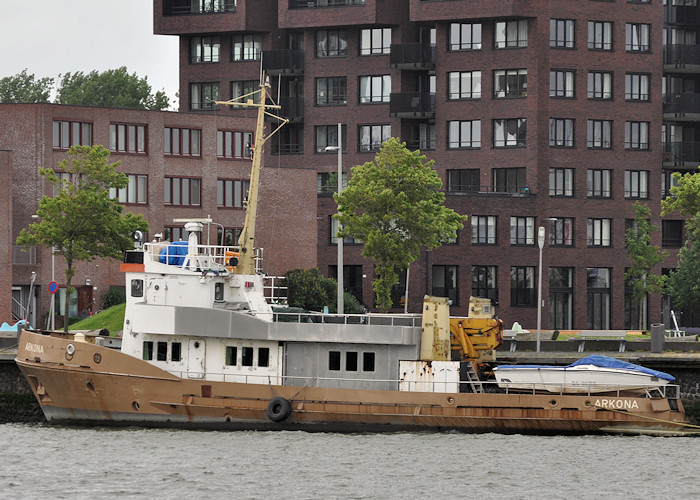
(589, 375)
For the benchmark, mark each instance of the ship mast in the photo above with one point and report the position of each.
(246, 242)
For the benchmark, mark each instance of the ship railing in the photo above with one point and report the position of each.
(618, 390)
(211, 257)
(369, 319)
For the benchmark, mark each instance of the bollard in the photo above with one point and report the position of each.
(657, 337)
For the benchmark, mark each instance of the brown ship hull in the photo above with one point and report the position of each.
(97, 385)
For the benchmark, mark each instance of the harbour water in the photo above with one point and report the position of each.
(39, 461)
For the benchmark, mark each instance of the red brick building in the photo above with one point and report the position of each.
(180, 165)
(537, 114)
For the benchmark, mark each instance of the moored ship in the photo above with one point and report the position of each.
(202, 348)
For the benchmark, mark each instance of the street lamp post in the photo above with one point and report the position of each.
(540, 243)
(53, 278)
(339, 148)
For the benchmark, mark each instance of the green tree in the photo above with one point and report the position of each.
(685, 199)
(643, 257)
(81, 219)
(114, 88)
(395, 206)
(310, 290)
(24, 88)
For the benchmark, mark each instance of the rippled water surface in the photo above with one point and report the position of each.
(38, 461)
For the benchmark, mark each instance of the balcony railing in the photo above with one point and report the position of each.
(681, 153)
(283, 62)
(311, 4)
(287, 149)
(685, 103)
(500, 190)
(683, 15)
(412, 56)
(196, 7)
(412, 105)
(681, 56)
(291, 108)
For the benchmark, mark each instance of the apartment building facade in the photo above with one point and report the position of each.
(179, 165)
(537, 114)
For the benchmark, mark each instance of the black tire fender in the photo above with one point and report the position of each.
(279, 409)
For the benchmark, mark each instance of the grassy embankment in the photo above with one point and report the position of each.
(112, 319)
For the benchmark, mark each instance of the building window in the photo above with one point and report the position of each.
(136, 191)
(464, 85)
(636, 37)
(182, 191)
(351, 361)
(599, 134)
(598, 183)
(202, 95)
(228, 236)
(672, 233)
(561, 33)
(327, 138)
(483, 230)
(509, 180)
(331, 90)
(124, 138)
(182, 141)
(162, 351)
(373, 136)
(233, 144)
(636, 87)
(465, 36)
(509, 132)
(465, 180)
(67, 134)
(245, 88)
(368, 361)
(522, 286)
(636, 184)
(510, 83)
(598, 298)
(464, 134)
(148, 350)
(247, 354)
(176, 351)
(511, 34)
(264, 356)
(327, 183)
(522, 230)
(484, 283)
(375, 41)
(600, 35)
(599, 85)
(137, 288)
(561, 232)
(231, 193)
(246, 47)
(636, 135)
(561, 292)
(331, 43)
(561, 182)
(561, 132)
(334, 234)
(561, 83)
(172, 233)
(375, 88)
(445, 282)
(598, 232)
(204, 49)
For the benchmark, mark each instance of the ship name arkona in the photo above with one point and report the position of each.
(202, 347)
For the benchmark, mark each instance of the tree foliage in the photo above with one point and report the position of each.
(683, 284)
(395, 206)
(81, 220)
(24, 88)
(643, 255)
(114, 88)
(311, 291)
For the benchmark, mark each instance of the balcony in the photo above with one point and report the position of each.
(292, 108)
(448, 10)
(190, 17)
(313, 4)
(328, 14)
(195, 7)
(283, 62)
(681, 153)
(681, 107)
(417, 56)
(412, 105)
(682, 15)
(682, 58)
(472, 189)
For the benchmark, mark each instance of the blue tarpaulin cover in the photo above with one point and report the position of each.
(603, 362)
(174, 254)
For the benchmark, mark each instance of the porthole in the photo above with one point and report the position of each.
(70, 349)
(552, 403)
(196, 345)
(97, 358)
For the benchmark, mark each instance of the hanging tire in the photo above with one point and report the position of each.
(279, 409)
